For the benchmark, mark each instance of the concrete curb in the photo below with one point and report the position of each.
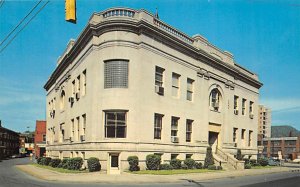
(127, 178)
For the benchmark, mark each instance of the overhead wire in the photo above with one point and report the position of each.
(20, 23)
(1, 3)
(24, 26)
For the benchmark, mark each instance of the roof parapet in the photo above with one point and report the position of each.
(67, 50)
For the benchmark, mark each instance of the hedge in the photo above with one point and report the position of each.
(133, 162)
(93, 164)
(165, 167)
(54, 162)
(74, 163)
(198, 165)
(45, 161)
(175, 163)
(153, 162)
(184, 166)
(190, 163)
(247, 166)
(63, 163)
(263, 161)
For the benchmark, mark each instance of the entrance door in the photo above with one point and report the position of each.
(114, 163)
(213, 140)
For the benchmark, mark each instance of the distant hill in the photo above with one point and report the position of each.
(284, 131)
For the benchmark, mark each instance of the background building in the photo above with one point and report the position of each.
(40, 139)
(26, 142)
(133, 85)
(264, 121)
(281, 148)
(9, 142)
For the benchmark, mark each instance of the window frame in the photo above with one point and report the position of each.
(112, 77)
(189, 89)
(176, 76)
(189, 132)
(159, 72)
(116, 123)
(158, 126)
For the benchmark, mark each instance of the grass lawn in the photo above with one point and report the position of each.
(172, 172)
(263, 167)
(61, 170)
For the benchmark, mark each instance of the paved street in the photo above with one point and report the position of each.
(12, 177)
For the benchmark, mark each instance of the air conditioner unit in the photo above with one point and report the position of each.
(236, 112)
(82, 138)
(77, 95)
(251, 116)
(174, 139)
(159, 90)
(215, 105)
(71, 99)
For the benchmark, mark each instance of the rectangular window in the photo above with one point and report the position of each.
(175, 84)
(174, 156)
(234, 135)
(44, 138)
(73, 88)
(72, 129)
(251, 109)
(78, 128)
(159, 73)
(115, 124)
(78, 84)
(157, 125)
(188, 156)
(243, 134)
(235, 105)
(244, 106)
(190, 89)
(189, 130)
(116, 74)
(84, 83)
(174, 126)
(83, 124)
(250, 138)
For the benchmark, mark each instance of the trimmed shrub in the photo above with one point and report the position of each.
(263, 161)
(239, 155)
(247, 166)
(184, 166)
(74, 163)
(212, 167)
(63, 163)
(93, 164)
(219, 167)
(54, 162)
(45, 161)
(38, 160)
(190, 163)
(255, 164)
(247, 161)
(133, 163)
(165, 167)
(175, 163)
(252, 161)
(209, 159)
(153, 162)
(198, 165)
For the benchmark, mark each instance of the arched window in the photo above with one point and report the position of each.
(215, 100)
(62, 99)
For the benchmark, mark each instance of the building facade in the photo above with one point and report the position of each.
(26, 143)
(9, 142)
(40, 139)
(281, 148)
(133, 85)
(264, 121)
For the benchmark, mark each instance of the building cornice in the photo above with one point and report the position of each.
(142, 22)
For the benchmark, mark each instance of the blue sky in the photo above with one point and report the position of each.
(263, 35)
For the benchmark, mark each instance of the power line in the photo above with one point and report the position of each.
(1, 3)
(24, 26)
(20, 22)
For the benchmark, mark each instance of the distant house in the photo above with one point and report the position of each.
(40, 138)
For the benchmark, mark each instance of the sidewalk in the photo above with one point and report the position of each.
(97, 177)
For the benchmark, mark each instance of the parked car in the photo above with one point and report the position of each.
(272, 162)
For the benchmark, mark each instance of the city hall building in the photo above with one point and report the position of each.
(133, 85)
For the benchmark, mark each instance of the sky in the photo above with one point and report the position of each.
(263, 35)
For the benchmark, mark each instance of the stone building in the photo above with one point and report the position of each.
(133, 85)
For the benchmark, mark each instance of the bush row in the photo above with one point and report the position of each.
(253, 162)
(153, 162)
(70, 163)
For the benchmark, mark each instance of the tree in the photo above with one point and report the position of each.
(209, 159)
(239, 155)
